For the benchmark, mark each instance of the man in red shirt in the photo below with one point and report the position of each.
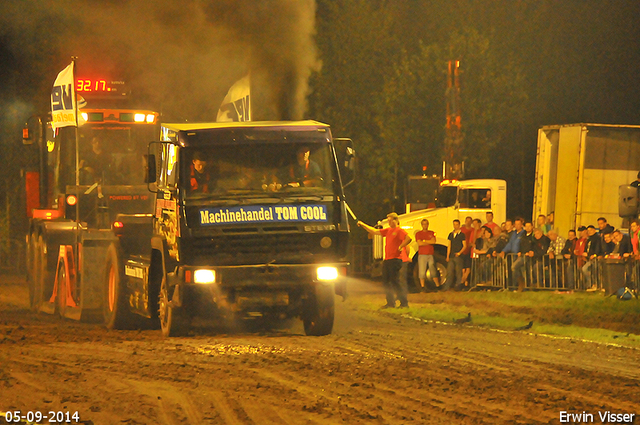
(581, 245)
(426, 239)
(396, 240)
(490, 224)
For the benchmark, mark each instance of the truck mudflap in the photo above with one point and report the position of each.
(78, 288)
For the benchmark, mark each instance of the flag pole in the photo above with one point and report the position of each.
(75, 102)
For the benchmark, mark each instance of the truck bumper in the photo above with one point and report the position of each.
(251, 287)
(263, 275)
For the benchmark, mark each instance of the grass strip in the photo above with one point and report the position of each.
(584, 316)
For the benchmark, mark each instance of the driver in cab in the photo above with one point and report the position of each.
(96, 164)
(200, 179)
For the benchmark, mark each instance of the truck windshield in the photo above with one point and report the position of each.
(109, 154)
(261, 168)
(447, 196)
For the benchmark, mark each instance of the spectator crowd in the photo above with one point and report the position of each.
(537, 253)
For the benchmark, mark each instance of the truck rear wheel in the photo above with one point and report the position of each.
(33, 270)
(61, 297)
(43, 278)
(318, 311)
(117, 314)
(173, 320)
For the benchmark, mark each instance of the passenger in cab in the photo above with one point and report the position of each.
(304, 172)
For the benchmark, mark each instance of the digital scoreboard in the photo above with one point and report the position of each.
(100, 87)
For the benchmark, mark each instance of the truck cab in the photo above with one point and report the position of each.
(89, 177)
(249, 219)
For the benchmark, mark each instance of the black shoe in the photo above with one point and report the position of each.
(386, 306)
(405, 305)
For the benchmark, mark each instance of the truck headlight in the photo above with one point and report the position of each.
(204, 276)
(327, 273)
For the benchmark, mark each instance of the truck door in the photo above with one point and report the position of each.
(167, 202)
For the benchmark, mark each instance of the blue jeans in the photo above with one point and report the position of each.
(454, 269)
(393, 285)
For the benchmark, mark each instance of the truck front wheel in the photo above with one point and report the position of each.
(318, 310)
(117, 314)
(441, 268)
(173, 320)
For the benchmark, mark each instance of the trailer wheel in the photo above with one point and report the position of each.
(173, 320)
(318, 311)
(117, 314)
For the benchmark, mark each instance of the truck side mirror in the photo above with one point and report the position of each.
(150, 174)
(32, 130)
(27, 139)
(627, 201)
(346, 159)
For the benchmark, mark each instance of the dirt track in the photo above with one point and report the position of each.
(375, 368)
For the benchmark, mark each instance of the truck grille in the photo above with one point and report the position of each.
(254, 248)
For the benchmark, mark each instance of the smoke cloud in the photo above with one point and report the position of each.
(179, 56)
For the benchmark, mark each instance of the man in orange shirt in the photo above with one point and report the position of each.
(396, 240)
(426, 239)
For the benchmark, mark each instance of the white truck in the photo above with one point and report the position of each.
(579, 169)
(456, 199)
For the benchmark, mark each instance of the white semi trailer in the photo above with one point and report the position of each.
(579, 169)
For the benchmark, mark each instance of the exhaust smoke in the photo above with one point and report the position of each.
(179, 55)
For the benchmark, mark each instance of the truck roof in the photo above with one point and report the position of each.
(556, 126)
(193, 126)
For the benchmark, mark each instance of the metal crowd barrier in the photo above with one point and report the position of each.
(546, 273)
(360, 260)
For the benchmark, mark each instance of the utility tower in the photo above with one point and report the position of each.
(453, 164)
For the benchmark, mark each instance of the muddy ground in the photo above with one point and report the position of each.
(375, 368)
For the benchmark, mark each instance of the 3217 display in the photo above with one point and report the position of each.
(89, 85)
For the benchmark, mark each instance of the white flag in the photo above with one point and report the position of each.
(63, 98)
(236, 105)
